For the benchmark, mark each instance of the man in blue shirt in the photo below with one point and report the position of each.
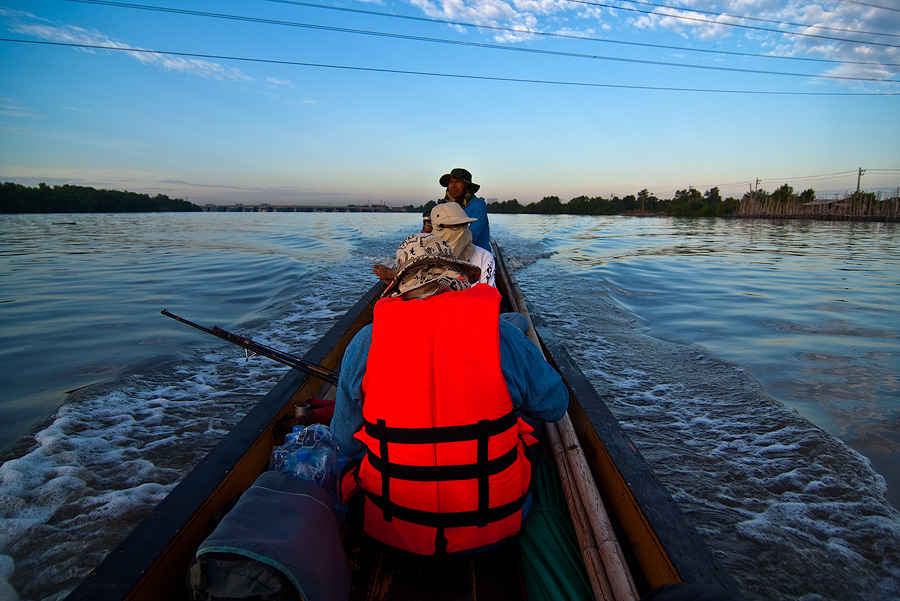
(461, 189)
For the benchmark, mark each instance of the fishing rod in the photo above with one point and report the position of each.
(260, 349)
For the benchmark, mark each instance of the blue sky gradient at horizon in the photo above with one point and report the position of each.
(337, 102)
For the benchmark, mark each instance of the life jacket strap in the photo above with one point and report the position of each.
(442, 473)
(459, 519)
(438, 434)
(484, 483)
(483, 468)
(387, 468)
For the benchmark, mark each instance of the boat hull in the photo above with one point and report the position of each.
(659, 543)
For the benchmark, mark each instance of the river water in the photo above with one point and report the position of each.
(754, 364)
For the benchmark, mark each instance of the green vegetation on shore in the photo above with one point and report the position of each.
(15, 198)
(685, 203)
(782, 203)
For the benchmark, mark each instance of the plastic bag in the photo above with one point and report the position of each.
(310, 452)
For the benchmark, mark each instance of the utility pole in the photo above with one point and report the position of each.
(859, 177)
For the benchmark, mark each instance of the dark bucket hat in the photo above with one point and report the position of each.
(460, 174)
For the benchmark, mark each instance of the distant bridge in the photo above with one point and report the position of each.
(268, 208)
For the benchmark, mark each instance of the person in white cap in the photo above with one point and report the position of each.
(430, 400)
(451, 223)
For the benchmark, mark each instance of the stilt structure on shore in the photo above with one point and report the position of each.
(853, 207)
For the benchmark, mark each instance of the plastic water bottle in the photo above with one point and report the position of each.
(301, 466)
(318, 465)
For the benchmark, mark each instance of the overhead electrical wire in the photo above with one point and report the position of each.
(740, 25)
(837, 175)
(894, 8)
(530, 32)
(784, 180)
(519, 30)
(436, 74)
(758, 19)
(507, 48)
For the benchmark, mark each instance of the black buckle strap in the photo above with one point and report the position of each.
(441, 473)
(439, 434)
(440, 542)
(457, 519)
(386, 473)
(484, 485)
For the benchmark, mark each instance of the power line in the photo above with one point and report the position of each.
(870, 5)
(755, 183)
(837, 175)
(822, 177)
(518, 30)
(484, 45)
(446, 75)
(741, 25)
(758, 19)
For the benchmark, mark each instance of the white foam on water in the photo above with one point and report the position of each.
(115, 450)
(96, 466)
(790, 511)
(7, 567)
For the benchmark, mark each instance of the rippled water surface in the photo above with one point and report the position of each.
(753, 363)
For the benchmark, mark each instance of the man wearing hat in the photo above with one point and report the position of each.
(451, 223)
(429, 399)
(461, 189)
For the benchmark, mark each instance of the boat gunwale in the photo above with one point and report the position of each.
(666, 544)
(171, 532)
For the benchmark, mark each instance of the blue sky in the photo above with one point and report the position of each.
(346, 101)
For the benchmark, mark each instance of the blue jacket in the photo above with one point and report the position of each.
(481, 229)
(536, 389)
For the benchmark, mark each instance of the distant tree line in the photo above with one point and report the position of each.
(686, 203)
(15, 198)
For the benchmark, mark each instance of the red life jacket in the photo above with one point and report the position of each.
(446, 469)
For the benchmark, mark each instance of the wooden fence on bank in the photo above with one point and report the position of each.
(867, 207)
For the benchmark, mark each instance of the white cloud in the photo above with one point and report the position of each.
(831, 26)
(522, 15)
(193, 66)
(688, 23)
(9, 108)
(93, 41)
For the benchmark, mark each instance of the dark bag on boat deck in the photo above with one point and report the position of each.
(281, 541)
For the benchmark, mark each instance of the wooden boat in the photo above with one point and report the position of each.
(608, 485)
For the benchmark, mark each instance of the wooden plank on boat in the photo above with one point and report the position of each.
(597, 538)
(666, 544)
